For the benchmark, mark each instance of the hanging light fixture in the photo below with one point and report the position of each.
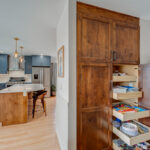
(16, 52)
(21, 59)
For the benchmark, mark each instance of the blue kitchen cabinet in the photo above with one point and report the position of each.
(41, 61)
(28, 64)
(2, 86)
(4, 63)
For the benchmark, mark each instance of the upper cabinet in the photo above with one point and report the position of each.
(126, 43)
(107, 36)
(95, 35)
(3, 63)
(41, 61)
(28, 64)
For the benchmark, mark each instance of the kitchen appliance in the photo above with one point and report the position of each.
(15, 80)
(41, 75)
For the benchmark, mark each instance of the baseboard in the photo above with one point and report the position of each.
(59, 139)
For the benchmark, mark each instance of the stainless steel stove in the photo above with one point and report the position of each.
(15, 80)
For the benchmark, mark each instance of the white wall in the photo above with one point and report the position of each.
(62, 97)
(145, 41)
(72, 121)
(66, 87)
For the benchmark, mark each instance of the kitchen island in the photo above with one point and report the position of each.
(14, 103)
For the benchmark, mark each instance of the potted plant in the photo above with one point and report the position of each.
(53, 89)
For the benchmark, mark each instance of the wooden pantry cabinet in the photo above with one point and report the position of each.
(104, 39)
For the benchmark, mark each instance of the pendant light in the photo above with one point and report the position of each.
(21, 59)
(16, 52)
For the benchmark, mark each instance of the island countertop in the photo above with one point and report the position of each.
(25, 88)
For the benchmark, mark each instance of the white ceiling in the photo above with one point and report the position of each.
(33, 21)
(139, 8)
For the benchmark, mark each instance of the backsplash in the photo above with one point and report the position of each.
(5, 77)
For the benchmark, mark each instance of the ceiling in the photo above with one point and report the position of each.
(139, 8)
(33, 21)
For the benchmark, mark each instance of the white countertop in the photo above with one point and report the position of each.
(25, 88)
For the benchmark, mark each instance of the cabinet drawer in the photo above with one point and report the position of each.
(129, 95)
(116, 147)
(132, 140)
(130, 115)
(124, 78)
(119, 147)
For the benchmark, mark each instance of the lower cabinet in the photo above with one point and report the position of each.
(2, 86)
(94, 107)
(95, 129)
(99, 104)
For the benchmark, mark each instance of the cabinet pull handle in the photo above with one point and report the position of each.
(114, 55)
(111, 89)
(111, 85)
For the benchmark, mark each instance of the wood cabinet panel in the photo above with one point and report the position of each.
(96, 12)
(13, 108)
(95, 130)
(126, 43)
(94, 85)
(95, 37)
(94, 107)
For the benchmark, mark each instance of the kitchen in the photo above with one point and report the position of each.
(22, 74)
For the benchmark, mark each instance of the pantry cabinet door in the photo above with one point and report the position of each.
(94, 107)
(126, 43)
(94, 36)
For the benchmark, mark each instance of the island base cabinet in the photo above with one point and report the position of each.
(13, 108)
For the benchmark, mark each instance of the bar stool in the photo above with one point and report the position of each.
(39, 95)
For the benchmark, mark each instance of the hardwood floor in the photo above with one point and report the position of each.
(38, 134)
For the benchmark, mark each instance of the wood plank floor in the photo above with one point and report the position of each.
(38, 134)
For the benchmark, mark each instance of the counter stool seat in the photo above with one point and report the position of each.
(39, 95)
